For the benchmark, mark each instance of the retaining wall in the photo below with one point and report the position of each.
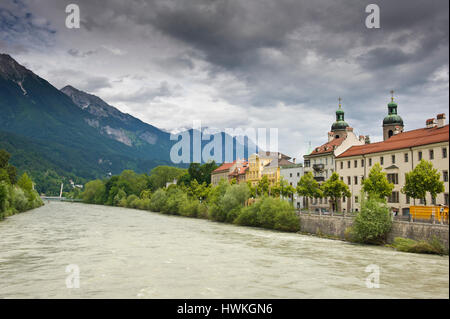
(336, 225)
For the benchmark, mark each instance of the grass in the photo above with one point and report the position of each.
(433, 246)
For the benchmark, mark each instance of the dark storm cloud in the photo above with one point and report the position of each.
(260, 54)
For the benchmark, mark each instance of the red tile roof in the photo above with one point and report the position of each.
(327, 147)
(239, 170)
(224, 167)
(422, 136)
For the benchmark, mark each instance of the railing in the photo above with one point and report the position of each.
(404, 218)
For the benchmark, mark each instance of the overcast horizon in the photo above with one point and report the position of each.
(255, 63)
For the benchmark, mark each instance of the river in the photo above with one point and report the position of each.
(126, 253)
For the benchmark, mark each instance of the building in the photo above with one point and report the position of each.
(292, 174)
(321, 161)
(265, 164)
(228, 171)
(398, 154)
(238, 171)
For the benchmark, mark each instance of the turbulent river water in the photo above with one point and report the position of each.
(126, 253)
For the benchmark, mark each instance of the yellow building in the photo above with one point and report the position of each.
(265, 164)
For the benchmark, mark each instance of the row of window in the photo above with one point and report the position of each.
(392, 178)
(393, 158)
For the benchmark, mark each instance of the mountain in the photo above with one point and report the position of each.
(121, 127)
(73, 134)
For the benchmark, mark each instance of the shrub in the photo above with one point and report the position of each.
(287, 220)
(249, 215)
(158, 200)
(176, 199)
(131, 201)
(372, 223)
(19, 200)
(434, 246)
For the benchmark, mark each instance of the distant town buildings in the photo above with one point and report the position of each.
(352, 156)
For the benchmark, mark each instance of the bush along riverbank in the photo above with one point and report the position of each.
(16, 196)
(226, 202)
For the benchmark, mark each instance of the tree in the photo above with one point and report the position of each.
(4, 158)
(373, 222)
(309, 187)
(160, 175)
(377, 185)
(93, 192)
(25, 182)
(335, 189)
(422, 179)
(263, 186)
(282, 188)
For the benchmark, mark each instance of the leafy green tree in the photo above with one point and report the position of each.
(93, 192)
(263, 186)
(309, 187)
(25, 182)
(335, 189)
(252, 189)
(377, 185)
(4, 158)
(12, 174)
(373, 222)
(160, 175)
(422, 179)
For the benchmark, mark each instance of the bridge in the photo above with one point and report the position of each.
(60, 199)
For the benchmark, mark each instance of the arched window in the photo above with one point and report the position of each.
(390, 133)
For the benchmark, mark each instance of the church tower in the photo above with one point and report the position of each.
(392, 123)
(339, 128)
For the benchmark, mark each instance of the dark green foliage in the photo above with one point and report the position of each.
(15, 197)
(373, 222)
(433, 246)
(222, 203)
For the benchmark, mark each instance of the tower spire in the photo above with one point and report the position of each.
(340, 100)
(392, 95)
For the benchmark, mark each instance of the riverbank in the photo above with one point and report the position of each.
(129, 253)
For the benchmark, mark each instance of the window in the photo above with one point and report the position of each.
(326, 160)
(408, 200)
(298, 174)
(362, 163)
(420, 156)
(433, 201)
(393, 198)
(446, 199)
(406, 158)
(445, 176)
(356, 163)
(444, 152)
(382, 160)
(320, 200)
(349, 180)
(348, 164)
(290, 175)
(342, 178)
(392, 178)
(370, 162)
(393, 159)
(356, 199)
(421, 201)
(431, 155)
(342, 165)
(356, 180)
(343, 199)
(307, 163)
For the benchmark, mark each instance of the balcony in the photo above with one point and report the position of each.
(318, 168)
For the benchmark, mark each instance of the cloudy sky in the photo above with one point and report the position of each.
(242, 63)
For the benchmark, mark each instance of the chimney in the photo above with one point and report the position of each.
(441, 120)
(430, 123)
